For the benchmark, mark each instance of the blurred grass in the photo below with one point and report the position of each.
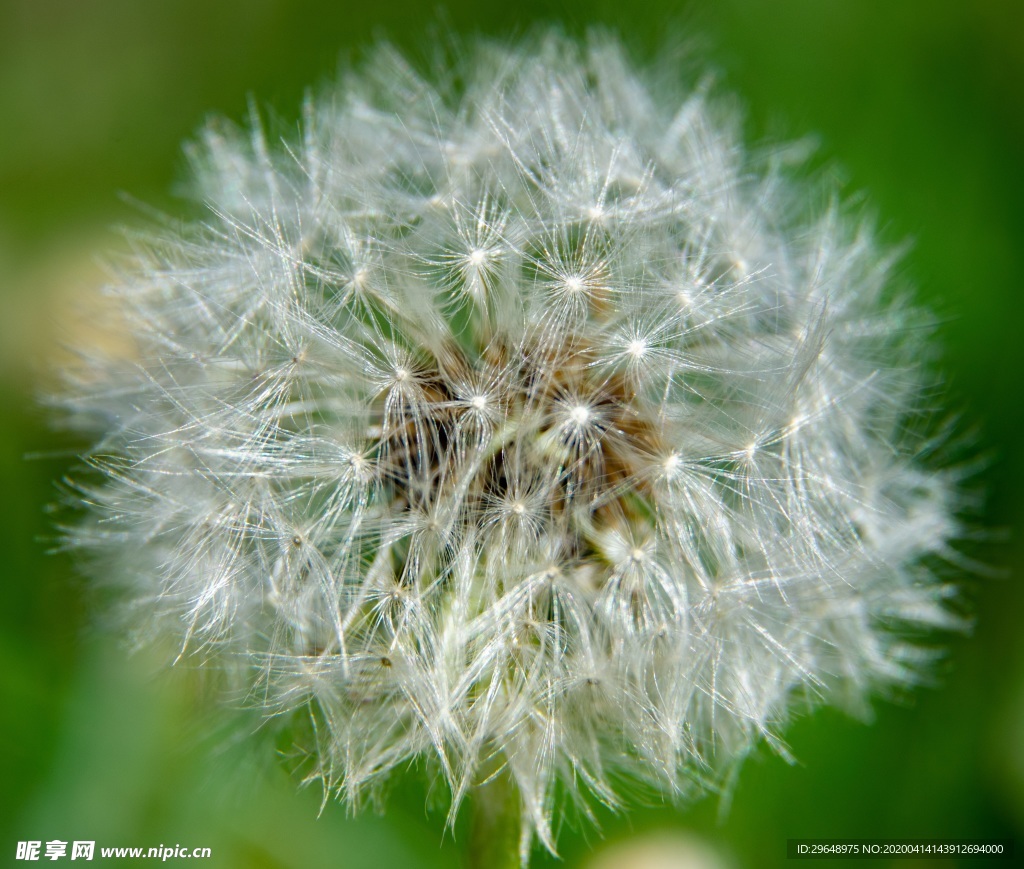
(921, 104)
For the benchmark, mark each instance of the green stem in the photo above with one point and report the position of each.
(496, 824)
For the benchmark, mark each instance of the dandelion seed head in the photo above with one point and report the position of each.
(518, 425)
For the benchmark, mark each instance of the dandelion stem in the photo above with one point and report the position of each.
(495, 833)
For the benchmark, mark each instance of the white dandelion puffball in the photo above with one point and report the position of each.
(511, 419)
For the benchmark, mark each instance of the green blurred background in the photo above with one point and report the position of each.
(919, 104)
